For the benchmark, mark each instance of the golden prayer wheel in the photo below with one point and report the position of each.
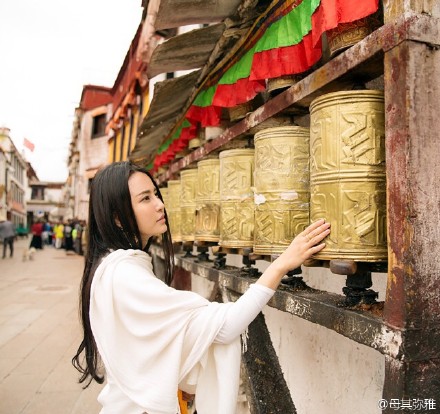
(172, 205)
(194, 143)
(165, 197)
(208, 201)
(236, 198)
(188, 179)
(282, 192)
(346, 35)
(166, 201)
(347, 174)
(281, 83)
(164, 194)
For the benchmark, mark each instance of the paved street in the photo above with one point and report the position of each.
(39, 333)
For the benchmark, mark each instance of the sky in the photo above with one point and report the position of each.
(49, 50)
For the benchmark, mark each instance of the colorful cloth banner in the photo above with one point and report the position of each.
(286, 40)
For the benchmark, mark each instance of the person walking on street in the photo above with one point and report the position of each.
(155, 341)
(7, 235)
(59, 235)
(68, 239)
(37, 231)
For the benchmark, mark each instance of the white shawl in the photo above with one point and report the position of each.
(154, 339)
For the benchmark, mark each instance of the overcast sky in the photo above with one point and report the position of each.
(49, 49)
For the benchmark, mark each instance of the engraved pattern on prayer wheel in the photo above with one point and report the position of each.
(347, 173)
(188, 179)
(282, 192)
(208, 201)
(236, 198)
(173, 209)
(346, 35)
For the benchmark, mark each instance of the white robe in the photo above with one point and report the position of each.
(154, 339)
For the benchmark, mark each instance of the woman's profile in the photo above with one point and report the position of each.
(151, 339)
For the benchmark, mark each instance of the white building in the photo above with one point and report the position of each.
(13, 181)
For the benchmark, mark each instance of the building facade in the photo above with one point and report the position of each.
(130, 103)
(13, 181)
(88, 147)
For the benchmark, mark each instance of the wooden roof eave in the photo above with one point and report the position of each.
(175, 13)
(189, 50)
(164, 112)
(169, 97)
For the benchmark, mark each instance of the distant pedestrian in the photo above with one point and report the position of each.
(46, 233)
(7, 235)
(59, 235)
(84, 240)
(37, 232)
(77, 234)
(68, 239)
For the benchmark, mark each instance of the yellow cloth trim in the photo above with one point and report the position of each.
(182, 404)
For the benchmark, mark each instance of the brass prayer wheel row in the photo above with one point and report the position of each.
(261, 198)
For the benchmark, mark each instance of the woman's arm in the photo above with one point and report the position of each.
(250, 304)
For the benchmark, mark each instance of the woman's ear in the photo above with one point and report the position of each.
(118, 222)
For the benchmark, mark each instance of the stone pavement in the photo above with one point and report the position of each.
(39, 334)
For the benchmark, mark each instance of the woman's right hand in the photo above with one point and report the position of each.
(303, 246)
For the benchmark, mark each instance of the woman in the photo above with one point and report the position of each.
(151, 338)
(37, 231)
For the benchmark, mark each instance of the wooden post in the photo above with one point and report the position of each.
(412, 98)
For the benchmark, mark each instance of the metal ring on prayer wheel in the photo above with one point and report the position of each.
(282, 192)
(172, 206)
(208, 201)
(236, 198)
(188, 179)
(347, 174)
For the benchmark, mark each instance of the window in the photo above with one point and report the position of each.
(98, 127)
(37, 193)
(130, 134)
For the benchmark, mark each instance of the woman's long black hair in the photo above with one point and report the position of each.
(110, 200)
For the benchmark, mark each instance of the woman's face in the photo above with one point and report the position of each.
(148, 209)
